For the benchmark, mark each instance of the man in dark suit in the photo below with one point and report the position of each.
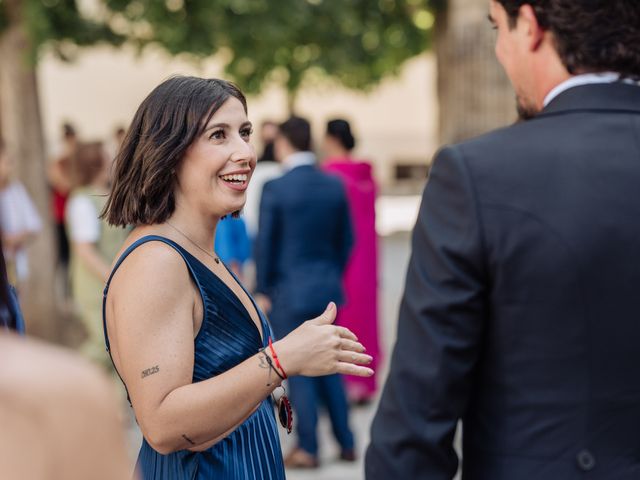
(521, 311)
(303, 244)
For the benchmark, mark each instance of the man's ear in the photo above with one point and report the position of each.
(529, 22)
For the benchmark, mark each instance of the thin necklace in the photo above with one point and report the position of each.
(216, 259)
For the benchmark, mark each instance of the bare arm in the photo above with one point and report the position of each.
(152, 334)
(13, 242)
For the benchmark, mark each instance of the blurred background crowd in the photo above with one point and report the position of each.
(382, 83)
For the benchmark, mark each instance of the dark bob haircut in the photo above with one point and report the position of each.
(341, 131)
(167, 122)
(591, 35)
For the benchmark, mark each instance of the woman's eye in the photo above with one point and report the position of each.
(217, 135)
(246, 132)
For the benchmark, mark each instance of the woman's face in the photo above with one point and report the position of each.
(214, 174)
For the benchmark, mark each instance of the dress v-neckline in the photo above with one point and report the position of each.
(261, 330)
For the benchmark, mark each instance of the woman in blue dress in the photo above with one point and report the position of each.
(196, 355)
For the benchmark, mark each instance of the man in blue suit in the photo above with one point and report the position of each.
(521, 311)
(303, 244)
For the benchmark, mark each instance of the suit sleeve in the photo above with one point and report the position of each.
(267, 241)
(440, 326)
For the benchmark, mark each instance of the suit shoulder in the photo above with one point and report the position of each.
(333, 180)
(272, 184)
(510, 147)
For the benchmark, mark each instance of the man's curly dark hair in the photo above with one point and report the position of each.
(590, 35)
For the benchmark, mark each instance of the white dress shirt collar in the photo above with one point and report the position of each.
(583, 79)
(299, 159)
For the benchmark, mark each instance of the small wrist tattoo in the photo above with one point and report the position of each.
(188, 439)
(266, 362)
(263, 361)
(150, 371)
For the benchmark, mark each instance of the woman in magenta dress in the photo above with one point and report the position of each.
(360, 311)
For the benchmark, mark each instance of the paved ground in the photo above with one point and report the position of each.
(394, 259)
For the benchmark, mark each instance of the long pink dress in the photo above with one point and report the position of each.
(360, 311)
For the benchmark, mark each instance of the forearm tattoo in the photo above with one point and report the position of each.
(264, 363)
(150, 371)
(188, 439)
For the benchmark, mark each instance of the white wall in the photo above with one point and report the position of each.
(394, 122)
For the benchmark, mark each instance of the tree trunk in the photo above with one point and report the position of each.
(292, 96)
(22, 131)
(475, 95)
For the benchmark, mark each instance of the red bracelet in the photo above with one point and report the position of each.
(275, 358)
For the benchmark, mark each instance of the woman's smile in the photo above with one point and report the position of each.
(237, 180)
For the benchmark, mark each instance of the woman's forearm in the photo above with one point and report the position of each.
(198, 415)
(206, 445)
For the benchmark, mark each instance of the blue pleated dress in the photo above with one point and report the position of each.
(228, 336)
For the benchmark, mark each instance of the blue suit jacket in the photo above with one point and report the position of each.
(521, 311)
(304, 239)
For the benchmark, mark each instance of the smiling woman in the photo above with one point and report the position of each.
(196, 355)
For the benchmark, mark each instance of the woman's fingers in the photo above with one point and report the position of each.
(353, 357)
(346, 333)
(352, 346)
(350, 369)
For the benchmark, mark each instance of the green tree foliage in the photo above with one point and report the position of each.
(356, 42)
(57, 24)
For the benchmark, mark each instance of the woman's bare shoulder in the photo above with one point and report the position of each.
(152, 286)
(153, 265)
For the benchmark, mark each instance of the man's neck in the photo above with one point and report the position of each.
(547, 71)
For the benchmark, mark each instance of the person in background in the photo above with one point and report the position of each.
(360, 310)
(304, 241)
(10, 313)
(19, 221)
(58, 414)
(266, 169)
(61, 179)
(94, 244)
(114, 143)
(268, 134)
(232, 244)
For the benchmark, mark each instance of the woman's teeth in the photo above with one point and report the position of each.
(236, 178)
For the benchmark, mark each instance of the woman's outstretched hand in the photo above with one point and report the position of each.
(317, 347)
